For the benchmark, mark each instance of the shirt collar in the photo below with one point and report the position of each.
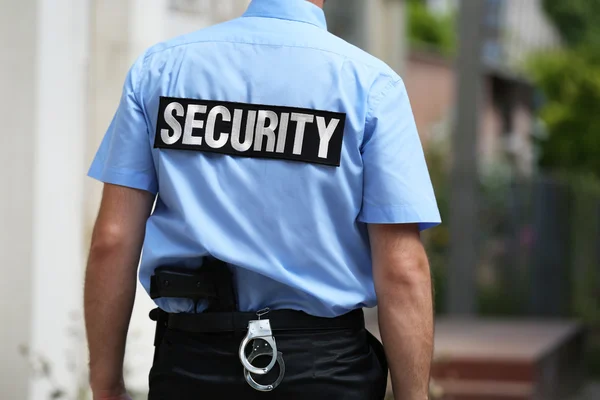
(293, 10)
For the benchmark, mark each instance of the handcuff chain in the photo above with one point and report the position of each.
(262, 312)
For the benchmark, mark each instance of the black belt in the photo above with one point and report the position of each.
(281, 320)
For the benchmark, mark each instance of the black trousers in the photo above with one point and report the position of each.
(344, 364)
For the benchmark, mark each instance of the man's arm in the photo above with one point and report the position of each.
(110, 284)
(405, 305)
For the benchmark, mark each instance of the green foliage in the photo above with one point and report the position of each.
(592, 359)
(428, 31)
(493, 301)
(570, 82)
(576, 20)
(585, 231)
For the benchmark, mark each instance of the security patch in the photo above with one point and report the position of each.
(250, 130)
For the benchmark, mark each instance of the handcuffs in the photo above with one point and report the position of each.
(260, 335)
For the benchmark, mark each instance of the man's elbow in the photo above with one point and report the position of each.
(405, 278)
(108, 238)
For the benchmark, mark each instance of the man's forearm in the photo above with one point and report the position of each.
(406, 324)
(110, 285)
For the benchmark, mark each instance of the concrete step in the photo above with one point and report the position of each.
(485, 390)
(516, 359)
(508, 359)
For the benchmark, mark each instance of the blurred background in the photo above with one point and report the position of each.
(506, 95)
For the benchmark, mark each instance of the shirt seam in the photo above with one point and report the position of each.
(346, 57)
(397, 205)
(142, 73)
(129, 171)
(128, 175)
(376, 103)
(406, 206)
(285, 19)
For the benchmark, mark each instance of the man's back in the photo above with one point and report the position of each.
(291, 227)
(291, 158)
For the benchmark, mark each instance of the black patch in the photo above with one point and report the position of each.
(237, 129)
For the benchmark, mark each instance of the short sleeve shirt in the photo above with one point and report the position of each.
(270, 144)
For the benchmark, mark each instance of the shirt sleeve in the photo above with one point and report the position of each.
(397, 186)
(125, 154)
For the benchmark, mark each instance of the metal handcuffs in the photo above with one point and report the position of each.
(261, 330)
(264, 350)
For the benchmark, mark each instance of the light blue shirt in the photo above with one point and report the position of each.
(294, 233)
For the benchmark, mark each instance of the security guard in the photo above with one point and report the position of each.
(273, 176)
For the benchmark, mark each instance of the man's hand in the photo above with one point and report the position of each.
(405, 306)
(120, 397)
(110, 284)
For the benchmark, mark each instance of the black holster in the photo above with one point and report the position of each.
(212, 282)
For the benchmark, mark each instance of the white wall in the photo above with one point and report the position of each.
(17, 60)
(43, 65)
(376, 26)
(387, 38)
(58, 230)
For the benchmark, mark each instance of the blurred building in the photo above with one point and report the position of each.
(376, 26)
(515, 29)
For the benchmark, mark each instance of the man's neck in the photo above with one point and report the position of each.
(318, 3)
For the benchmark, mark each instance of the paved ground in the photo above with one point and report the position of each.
(591, 392)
